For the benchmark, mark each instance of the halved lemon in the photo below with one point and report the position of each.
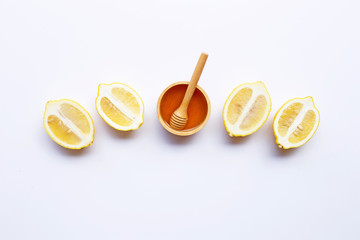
(246, 109)
(120, 106)
(68, 124)
(296, 122)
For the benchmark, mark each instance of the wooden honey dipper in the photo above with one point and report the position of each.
(179, 117)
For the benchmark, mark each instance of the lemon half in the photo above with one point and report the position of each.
(120, 106)
(68, 124)
(246, 109)
(296, 122)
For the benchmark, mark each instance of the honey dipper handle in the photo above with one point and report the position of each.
(194, 81)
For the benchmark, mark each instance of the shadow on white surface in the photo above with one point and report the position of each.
(237, 140)
(285, 152)
(73, 152)
(268, 133)
(172, 139)
(68, 152)
(117, 133)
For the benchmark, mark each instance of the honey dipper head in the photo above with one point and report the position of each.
(178, 121)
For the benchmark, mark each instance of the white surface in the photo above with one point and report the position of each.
(148, 184)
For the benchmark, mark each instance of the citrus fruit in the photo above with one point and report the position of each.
(296, 122)
(120, 106)
(68, 124)
(246, 109)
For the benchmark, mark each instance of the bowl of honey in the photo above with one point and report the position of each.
(198, 111)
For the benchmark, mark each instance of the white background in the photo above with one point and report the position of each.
(148, 184)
